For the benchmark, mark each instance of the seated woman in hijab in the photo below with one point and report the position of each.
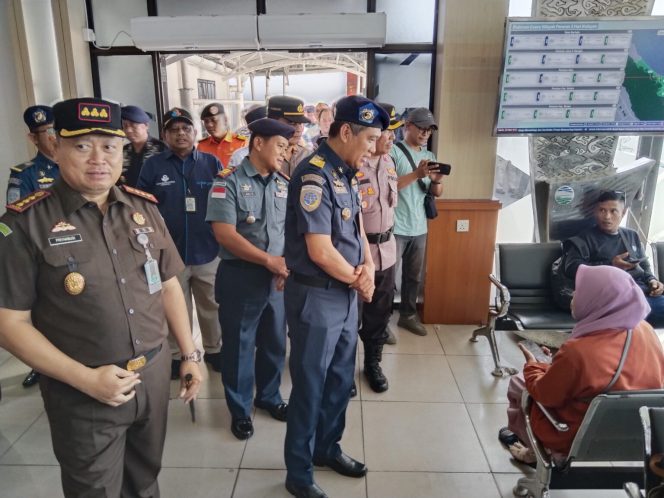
(607, 303)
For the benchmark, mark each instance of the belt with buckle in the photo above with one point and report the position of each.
(139, 361)
(379, 238)
(320, 282)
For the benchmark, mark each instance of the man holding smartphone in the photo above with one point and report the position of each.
(607, 243)
(413, 163)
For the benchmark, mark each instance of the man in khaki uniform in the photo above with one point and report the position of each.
(89, 282)
(377, 180)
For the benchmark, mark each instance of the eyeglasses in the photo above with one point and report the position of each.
(424, 131)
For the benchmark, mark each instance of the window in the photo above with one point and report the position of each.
(207, 90)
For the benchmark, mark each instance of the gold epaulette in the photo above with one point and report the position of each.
(317, 161)
(226, 172)
(139, 193)
(28, 201)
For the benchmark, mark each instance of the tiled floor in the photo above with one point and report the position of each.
(433, 434)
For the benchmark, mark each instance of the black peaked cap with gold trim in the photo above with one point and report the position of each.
(85, 116)
(290, 108)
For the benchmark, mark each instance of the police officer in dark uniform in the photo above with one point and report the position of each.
(88, 286)
(290, 110)
(37, 174)
(328, 256)
(247, 208)
(141, 146)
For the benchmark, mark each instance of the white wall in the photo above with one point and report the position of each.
(12, 130)
(40, 34)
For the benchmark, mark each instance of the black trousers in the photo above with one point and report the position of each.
(375, 315)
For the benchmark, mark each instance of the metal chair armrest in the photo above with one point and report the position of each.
(503, 297)
(541, 455)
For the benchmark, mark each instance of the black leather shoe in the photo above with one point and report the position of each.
(31, 379)
(353, 390)
(377, 380)
(311, 491)
(344, 465)
(242, 428)
(214, 359)
(175, 369)
(278, 412)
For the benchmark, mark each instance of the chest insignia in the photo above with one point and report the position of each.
(345, 214)
(62, 226)
(138, 218)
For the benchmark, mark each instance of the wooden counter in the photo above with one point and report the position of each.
(456, 285)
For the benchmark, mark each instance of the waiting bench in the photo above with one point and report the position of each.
(523, 295)
(611, 431)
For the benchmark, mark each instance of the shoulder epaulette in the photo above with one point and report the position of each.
(283, 175)
(317, 161)
(241, 137)
(28, 201)
(139, 193)
(226, 172)
(22, 167)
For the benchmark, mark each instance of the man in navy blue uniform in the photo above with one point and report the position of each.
(41, 171)
(330, 264)
(180, 178)
(37, 174)
(247, 208)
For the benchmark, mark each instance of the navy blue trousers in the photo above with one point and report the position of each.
(656, 316)
(253, 331)
(322, 326)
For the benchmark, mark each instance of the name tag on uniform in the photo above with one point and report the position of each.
(281, 193)
(190, 204)
(65, 239)
(152, 274)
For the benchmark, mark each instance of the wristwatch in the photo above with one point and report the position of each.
(196, 356)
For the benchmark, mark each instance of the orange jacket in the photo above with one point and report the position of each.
(582, 368)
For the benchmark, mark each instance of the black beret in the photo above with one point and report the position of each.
(267, 127)
(135, 114)
(176, 114)
(256, 113)
(290, 108)
(38, 115)
(75, 117)
(213, 109)
(360, 110)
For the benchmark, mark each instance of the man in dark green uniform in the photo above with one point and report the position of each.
(89, 282)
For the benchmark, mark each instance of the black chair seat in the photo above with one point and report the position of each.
(543, 318)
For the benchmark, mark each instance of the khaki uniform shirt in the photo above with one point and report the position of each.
(378, 188)
(300, 151)
(115, 317)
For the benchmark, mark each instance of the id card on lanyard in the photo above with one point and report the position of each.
(151, 267)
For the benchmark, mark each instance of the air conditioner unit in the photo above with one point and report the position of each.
(298, 31)
(195, 32)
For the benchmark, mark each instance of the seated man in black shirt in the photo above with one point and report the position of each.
(609, 244)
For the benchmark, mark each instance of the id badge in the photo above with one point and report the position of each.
(152, 274)
(190, 204)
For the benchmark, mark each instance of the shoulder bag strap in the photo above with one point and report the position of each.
(406, 153)
(628, 247)
(621, 363)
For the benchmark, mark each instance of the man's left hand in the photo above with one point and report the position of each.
(189, 389)
(656, 288)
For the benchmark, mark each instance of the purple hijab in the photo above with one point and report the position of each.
(606, 298)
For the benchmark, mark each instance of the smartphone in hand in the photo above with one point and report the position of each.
(536, 350)
(635, 260)
(442, 168)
